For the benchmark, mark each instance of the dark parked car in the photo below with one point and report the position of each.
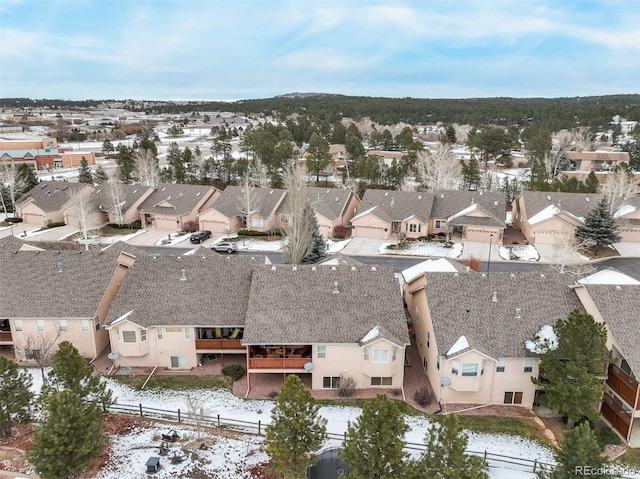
(225, 247)
(200, 236)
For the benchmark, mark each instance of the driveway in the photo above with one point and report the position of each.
(151, 236)
(363, 247)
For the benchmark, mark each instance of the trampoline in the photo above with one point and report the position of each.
(329, 466)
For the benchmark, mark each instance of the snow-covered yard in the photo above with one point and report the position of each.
(420, 248)
(519, 253)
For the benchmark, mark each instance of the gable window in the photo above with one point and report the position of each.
(440, 225)
(380, 356)
(62, 325)
(128, 336)
(366, 353)
(40, 325)
(455, 367)
(331, 382)
(394, 353)
(438, 362)
(179, 362)
(159, 332)
(322, 352)
(84, 325)
(143, 335)
(97, 323)
(428, 338)
(501, 365)
(187, 333)
(414, 228)
(257, 222)
(470, 369)
(17, 324)
(512, 397)
(381, 381)
(528, 365)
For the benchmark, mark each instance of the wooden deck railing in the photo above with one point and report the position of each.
(6, 336)
(623, 384)
(613, 413)
(219, 344)
(278, 363)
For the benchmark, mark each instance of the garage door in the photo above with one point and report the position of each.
(370, 232)
(165, 223)
(33, 219)
(214, 226)
(479, 236)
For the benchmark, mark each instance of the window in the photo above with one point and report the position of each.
(394, 353)
(513, 398)
(470, 369)
(84, 325)
(528, 365)
(17, 324)
(438, 362)
(367, 351)
(62, 325)
(322, 352)
(380, 356)
(440, 224)
(32, 354)
(257, 222)
(455, 367)
(501, 365)
(40, 325)
(97, 323)
(128, 336)
(331, 382)
(187, 333)
(159, 332)
(173, 330)
(413, 228)
(143, 335)
(382, 381)
(179, 362)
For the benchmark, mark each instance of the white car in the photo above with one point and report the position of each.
(225, 247)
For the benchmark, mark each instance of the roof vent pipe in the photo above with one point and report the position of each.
(494, 298)
(518, 313)
(183, 276)
(335, 288)
(60, 268)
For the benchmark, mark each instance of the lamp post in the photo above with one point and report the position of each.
(489, 259)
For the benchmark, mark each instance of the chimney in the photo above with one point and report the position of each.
(494, 298)
(335, 288)
(183, 276)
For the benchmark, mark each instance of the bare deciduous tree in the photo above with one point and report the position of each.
(567, 260)
(146, 165)
(116, 198)
(11, 180)
(298, 230)
(620, 186)
(259, 173)
(248, 199)
(439, 169)
(82, 212)
(195, 408)
(39, 347)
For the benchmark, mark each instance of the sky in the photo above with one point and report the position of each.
(242, 49)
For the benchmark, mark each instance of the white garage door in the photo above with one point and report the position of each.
(370, 232)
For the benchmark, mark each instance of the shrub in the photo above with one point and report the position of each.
(134, 225)
(396, 393)
(423, 396)
(13, 220)
(341, 232)
(607, 436)
(273, 394)
(252, 233)
(190, 226)
(473, 263)
(55, 225)
(234, 371)
(347, 387)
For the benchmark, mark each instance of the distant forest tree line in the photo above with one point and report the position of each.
(553, 114)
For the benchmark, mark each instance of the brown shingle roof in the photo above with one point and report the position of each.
(462, 304)
(576, 204)
(448, 203)
(231, 202)
(297, 305)
(103, 200)
(181, 198)
(619, 306)
(393, 205)
(52, 195)
(328, 202)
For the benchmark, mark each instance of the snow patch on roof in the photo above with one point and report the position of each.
(374, 333)
(549, 212)
(359, 215)
(608, 276)
(428, 266)
(461, 344)
(463, 212)
(624, 210)
(544, 340)
(121, 318)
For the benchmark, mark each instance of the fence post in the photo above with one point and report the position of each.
(179, 419)
(345, 437)
(259, 428)
(141, 409)
(218, 421)
(535, 464)
(485, 456)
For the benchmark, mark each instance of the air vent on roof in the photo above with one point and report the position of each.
(587, 199)
(183, 276)
(65, 188)
(353, 268)
(494, 297)
(273, 268)
(442, 196)
(43, 186)
(419, 197)
(333, 268)
(455, 274)
(271, 192)
(386, 193)
(495, 204)
(549, 197)
(135, 191)
(48, 193)
(328, 191)
(313, 268)
(198, 194)
(373, 268)
(337, 199)
(168, 197)
(163, 188)
(335, 288)
(618, 287)
(480, 192)
(60, 268)
(294, 268)
(518, 314)
(512, 275)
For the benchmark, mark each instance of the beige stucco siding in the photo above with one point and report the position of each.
(32, 214)
(216, 222)
(371, 226)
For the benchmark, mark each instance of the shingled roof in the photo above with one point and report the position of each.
(463, 304)
(179, 199)
(232, 201)
(194, 290)
(393, 205)
(576, 204)
(328, 202)
(619, 306)
(323, 304)
(52, 195)
(456, 206)
(129, 194)
(54, 284)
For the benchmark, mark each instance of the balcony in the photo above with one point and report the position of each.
(218, 344)
(615, 415)
(624, 385)
(6, 338)
(284, 358)
(278, 363)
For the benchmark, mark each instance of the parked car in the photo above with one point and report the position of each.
(225, 247)
(200, 236)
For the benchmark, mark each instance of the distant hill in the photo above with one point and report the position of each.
(302, 95)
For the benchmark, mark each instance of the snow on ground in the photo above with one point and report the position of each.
(336, 246)
(420, 248)
(248, 243)
(520, 253)
(173, 239)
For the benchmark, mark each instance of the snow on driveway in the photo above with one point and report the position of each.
(420, 248)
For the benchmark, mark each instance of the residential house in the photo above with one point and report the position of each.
(331, 206)
(228, 213)
(172, 206)
(616, 306)
(384, 213)
(387, 157)
(120, 203)
(627, 214)
(47, 202)
(54, 296)
(469, 215)
(328, 322)
(584, 162)
(471, 330)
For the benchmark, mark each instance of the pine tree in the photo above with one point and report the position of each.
(591, 184)
(296, 431)
(374, 448)
(471, 175)
(26, 177)
(84, 172)
(71, 372)
(579, 456)
(15, 395)
(318, 245)
(569, 374)
(70, 438)
(600, 227)
(445, 457)
(100, 176)
(107, 147)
